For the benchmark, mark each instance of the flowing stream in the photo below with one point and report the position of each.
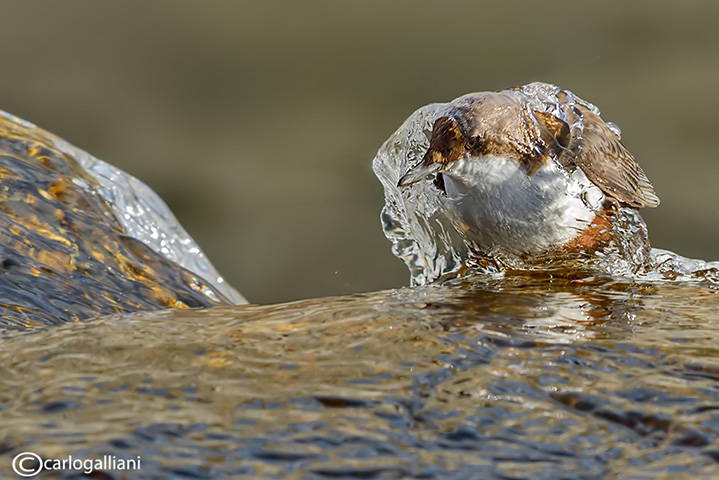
(524, 378)
(541, 374)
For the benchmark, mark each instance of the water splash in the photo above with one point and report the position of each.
(415, 219)
(80, 238)
(429, 237)
(141, 212)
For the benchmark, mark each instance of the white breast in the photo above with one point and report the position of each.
(506, 210)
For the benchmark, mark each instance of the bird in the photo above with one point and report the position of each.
(524, 178)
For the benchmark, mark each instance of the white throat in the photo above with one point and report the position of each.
(506, 210)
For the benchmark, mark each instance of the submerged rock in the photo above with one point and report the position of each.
(80, 238)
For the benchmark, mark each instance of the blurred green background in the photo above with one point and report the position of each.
(257, 121)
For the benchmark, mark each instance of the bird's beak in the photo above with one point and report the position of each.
(420, 171)
(446, 146)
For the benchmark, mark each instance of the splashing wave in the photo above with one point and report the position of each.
(429, 238)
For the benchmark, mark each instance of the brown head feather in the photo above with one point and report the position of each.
(489, 123)
(447, 143)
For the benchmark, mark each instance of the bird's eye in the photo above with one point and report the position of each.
(472, 143)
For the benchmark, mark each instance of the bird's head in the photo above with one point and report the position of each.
(490, 124)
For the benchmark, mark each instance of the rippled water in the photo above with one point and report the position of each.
(559, 373)
(80, 238)
(524, 378)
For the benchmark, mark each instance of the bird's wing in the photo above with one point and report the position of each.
(610, 166)
(599, 153)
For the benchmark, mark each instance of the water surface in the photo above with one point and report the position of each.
(525, 377)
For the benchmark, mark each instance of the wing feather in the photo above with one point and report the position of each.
(608, 164)
(599, 153)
